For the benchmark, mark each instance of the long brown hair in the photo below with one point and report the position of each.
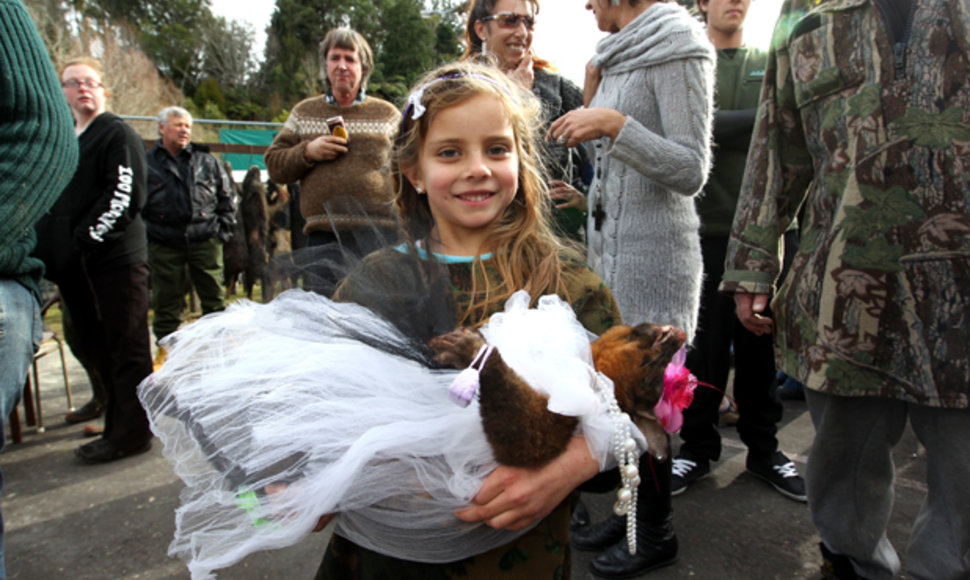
(526, 252)
(478, 9)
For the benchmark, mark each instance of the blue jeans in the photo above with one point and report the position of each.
(20, 334)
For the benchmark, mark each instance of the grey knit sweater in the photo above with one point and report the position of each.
(643, 228)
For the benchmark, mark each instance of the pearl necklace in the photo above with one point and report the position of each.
(627, 456)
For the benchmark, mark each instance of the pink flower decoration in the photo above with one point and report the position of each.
(678, 392)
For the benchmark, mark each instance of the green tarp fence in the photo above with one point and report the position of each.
(243, 161)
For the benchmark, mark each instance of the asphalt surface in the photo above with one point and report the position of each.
(65, 519)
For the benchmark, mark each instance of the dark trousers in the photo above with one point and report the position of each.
(82, 351)
(329, 257)
(755, 383)
(204, 263)
(109, 310)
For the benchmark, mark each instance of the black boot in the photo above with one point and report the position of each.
(836, 566)
(601, 536)
(580, 517)
(656, 542)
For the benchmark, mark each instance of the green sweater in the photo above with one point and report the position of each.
(38, 149)
(739, 76)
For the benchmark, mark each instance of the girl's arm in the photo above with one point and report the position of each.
(513, 498)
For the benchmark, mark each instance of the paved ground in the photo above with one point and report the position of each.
(68, 520)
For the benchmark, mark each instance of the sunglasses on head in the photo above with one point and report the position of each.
(511, 20)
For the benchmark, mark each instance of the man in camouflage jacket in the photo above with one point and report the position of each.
(865, 121)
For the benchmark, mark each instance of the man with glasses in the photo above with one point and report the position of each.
(93, 243)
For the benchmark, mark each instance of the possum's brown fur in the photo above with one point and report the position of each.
(520, 428)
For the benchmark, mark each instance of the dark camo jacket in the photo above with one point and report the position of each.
(869, 131)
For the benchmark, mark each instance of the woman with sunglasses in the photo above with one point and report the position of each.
(501, 31)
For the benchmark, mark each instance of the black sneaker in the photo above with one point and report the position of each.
(780, 472)
(685, 472)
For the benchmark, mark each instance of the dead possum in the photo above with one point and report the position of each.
(520, 428)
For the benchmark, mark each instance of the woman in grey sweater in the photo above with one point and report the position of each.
(650, 104)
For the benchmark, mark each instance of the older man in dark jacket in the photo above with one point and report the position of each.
(189, 215)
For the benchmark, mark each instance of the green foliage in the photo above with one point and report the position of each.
(876, 254)
(407, 41)
(210, 59)
(866, 102)
(172, 33)
(855, 377)
(281, 117)
(936, 130)
(806, 329)
(760, 236)
(409, 51)
(447, 45)
(884, 210)
(209, 93)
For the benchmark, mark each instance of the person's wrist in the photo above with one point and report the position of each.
(306, 156)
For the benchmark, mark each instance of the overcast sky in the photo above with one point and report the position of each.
(565, 33)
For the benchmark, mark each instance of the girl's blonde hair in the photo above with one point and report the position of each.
(526, 252)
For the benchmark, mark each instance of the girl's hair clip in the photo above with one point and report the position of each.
(417, 110)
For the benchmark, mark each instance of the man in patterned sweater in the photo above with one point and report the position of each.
(340, 173)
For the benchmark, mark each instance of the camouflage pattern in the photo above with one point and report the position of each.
(874, 145)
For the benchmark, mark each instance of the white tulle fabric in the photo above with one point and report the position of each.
(280, 395)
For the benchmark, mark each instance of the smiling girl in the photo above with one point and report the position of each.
(471, 197)
(308, 406)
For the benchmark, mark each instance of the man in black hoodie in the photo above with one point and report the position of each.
(93, 243)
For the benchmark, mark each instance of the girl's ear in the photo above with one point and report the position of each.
(414, 176)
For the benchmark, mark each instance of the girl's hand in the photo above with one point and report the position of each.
(580, 125)
(513, 498)
(565, 195)
(323, 521)
(273, 489)
(325, 148)
(592, 82)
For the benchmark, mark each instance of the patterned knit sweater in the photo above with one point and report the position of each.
(39, 149)
(361, 173)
